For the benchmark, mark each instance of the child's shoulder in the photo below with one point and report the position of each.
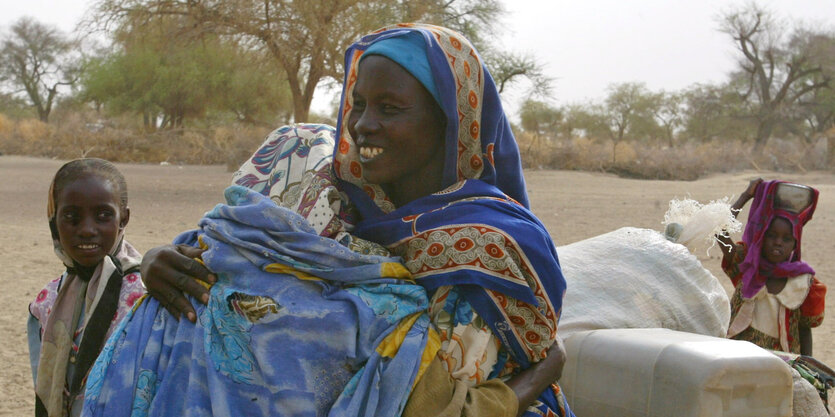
(42, 305)
(132, 287)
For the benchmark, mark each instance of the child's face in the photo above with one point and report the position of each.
(88, 219)
(778, 243)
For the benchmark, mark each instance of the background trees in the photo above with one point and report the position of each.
(166, 79)
(775, 68)
(35, 61)
(188, 67)
(306, 39)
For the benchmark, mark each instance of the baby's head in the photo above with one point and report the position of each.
(88, 210)
(779, 241)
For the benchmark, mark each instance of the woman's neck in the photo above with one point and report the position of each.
(428, 180)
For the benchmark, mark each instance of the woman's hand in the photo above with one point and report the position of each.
(531, 382)
(169, 271)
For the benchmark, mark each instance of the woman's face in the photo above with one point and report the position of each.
(88, 219)
(399, 129)
(778, 243)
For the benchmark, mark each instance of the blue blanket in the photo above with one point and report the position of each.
(297, 325)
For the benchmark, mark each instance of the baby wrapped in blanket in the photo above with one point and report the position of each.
(315, 321)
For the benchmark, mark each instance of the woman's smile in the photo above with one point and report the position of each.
(369, 153)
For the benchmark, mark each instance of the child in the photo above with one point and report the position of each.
(777, 299)
(72, 316)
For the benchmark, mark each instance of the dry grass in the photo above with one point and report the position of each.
(77, 134)
(80, 137)
(685, 161)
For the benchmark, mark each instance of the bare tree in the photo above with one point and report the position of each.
(508, 67)
(775, 75)
(669, 114)
(36, 60)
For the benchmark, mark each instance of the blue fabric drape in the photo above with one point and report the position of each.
(293, 328)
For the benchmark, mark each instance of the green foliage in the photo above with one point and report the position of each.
(14, 107)
(306, 39)
(168, 82)
(540, 118)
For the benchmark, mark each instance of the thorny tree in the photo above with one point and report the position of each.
(775, 76)
(36, 60)
(307, 38)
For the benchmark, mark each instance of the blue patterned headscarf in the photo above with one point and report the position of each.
(475, 237)
(479, 141)
(408, 51)
(477, 234)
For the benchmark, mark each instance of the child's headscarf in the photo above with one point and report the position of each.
(755, 269)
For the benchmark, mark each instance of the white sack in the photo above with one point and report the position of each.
(636, 278)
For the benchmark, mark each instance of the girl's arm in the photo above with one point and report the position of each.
(811, 314)
(805, 340)
(735, 209)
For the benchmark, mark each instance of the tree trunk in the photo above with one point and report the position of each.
(43, 115)
(763, 135)
(830, 148)
(301, 109)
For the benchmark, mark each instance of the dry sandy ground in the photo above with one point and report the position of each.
(166, 200)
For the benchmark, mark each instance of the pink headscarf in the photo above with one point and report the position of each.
(755, 269)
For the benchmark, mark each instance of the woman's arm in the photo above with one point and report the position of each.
(438, 394)
(529, 384)
(171, 270)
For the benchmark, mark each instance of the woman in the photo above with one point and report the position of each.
(428, 161)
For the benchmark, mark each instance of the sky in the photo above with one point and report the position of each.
(584, 45)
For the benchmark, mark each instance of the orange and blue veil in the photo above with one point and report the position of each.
(476, 235)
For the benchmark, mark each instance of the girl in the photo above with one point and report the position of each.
(777, 299)
(72, 316)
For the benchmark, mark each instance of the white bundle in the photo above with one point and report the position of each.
(695, 225)
(635, 278)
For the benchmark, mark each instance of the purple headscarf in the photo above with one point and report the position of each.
(755, 269)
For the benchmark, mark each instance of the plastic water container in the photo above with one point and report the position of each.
(661, 372)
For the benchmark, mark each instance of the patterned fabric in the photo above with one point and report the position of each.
(489, 264)
(754, 267)
(293, 167)
(131, 290)
(66, 308)
(809, 314)
(297, 325)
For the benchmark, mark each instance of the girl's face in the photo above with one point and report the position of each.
(399, 130)
(778, 243)
(88, 219)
